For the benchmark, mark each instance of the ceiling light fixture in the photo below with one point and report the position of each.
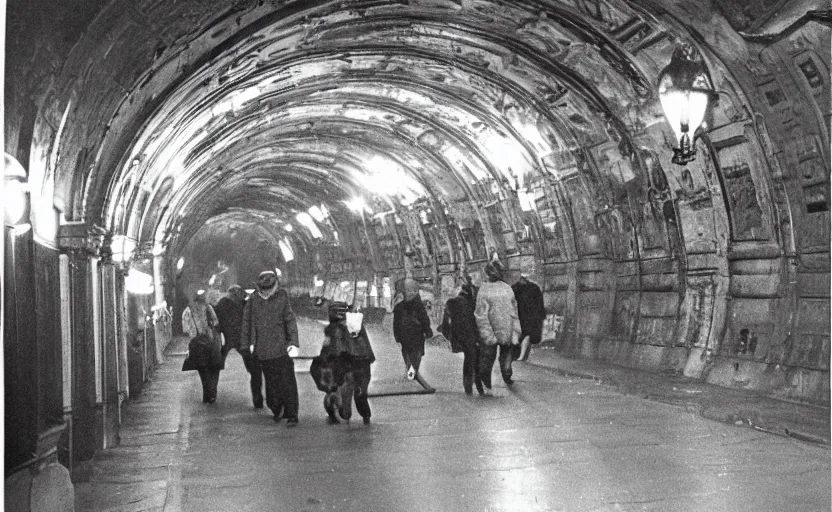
(685, 90)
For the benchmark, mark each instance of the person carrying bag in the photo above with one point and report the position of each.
(205, 348)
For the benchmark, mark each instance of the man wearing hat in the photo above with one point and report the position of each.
(271, 331)
(497, 322)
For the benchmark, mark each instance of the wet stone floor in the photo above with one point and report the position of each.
(549, 444)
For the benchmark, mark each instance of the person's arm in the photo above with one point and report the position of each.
(425, 321)
(188, 322)
(290, 323)
(541, 306)
(445, 326)
(483, 323)
(245, 329)
(397, 323)
(515, 322)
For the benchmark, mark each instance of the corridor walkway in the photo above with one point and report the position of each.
(553, 443)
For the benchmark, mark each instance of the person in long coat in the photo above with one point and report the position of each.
(411, 327)
(342, 369)
(229, 311)
(199, 318)
(270, 327)
(460, 328)
(498, 324)
(532, 313)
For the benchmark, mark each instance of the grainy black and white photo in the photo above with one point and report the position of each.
(416, 255)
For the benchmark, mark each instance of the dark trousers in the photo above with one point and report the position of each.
(470, 368)
(487, 356)
(412, 356)
(255, 370)
(281, 386)
(210, 377)
(354, 387)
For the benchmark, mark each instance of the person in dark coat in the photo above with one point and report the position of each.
(199, 319)
(269, 326)
(229, 311)
(460, 327)
(411, 327)
(532, 313)
(342, 369)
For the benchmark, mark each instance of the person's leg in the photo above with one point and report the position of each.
(488, 353)
(213, 382)
(287, 388)
(468, 370)
(524, 347)
(330, 404)
(475, 370)
(345, 392)
(255, 371)
(203, 379)
(270, 373)
(506, 357)
(362, 383)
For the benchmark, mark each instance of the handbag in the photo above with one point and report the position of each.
(200, 350)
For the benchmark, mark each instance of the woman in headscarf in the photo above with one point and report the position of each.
(411, 327)
(497, 322)
(199, 319)
(460, 327)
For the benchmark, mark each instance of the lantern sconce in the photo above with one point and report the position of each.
(685, 90)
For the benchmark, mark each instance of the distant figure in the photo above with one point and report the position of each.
(342, 369)
(460, 327)
(532, 314)
(229, 311)
(199, 319)
(498, 324)
(269, 326)
(411, 327)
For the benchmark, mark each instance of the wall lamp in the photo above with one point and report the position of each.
(15, 192)
(685, 90)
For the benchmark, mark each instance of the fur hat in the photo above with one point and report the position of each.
(266, 280)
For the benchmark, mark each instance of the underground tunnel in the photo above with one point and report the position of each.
(659, 167)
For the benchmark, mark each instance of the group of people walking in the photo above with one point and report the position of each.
(263, 329)
(494, 322)
(484, 323)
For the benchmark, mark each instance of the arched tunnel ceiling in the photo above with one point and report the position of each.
(273, 108)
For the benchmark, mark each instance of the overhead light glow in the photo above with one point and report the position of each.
(122, 247)
(180, 263)
(306, 220)
(386, 178)
(138, 283)
(288, 255)
(356, 204)
(316, 213)
(288, 227)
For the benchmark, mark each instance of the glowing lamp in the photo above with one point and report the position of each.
(685, 90)
(15, 192)
(138, 283)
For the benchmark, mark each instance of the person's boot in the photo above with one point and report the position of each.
(258, 402)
